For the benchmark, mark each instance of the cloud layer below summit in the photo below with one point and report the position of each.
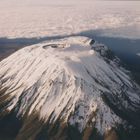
(50, 18)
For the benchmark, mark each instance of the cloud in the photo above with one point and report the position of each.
(138, 54)
(37, 19)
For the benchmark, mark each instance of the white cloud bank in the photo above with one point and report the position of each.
(32, 18)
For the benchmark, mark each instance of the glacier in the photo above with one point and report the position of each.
(75, 80)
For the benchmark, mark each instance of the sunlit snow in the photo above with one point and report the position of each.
(66, 79)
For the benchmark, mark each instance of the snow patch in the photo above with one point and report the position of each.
(66, 79)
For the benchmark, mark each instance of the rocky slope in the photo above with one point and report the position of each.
(73, 88)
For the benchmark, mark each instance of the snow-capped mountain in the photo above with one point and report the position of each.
(69, 83)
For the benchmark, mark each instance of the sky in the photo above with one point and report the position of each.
(41, 18)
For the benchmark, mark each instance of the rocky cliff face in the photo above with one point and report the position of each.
(73, 88)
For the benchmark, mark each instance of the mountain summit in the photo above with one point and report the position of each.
(67, 89)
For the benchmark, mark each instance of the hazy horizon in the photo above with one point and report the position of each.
(35, 18)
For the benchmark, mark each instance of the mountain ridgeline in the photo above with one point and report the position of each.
(68, 89)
